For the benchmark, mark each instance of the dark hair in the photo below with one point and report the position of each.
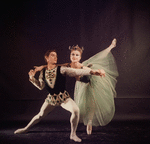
(48, 52)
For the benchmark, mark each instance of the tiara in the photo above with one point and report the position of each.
(76, 48)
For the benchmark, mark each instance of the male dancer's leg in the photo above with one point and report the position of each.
(71, 106)
(45, 109)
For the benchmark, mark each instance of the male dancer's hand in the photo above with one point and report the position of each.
(102, 72)
(98, 72)
(31, 73)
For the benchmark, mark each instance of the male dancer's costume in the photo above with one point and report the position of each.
(54, 80)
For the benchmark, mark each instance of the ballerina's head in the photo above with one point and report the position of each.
(76, 53)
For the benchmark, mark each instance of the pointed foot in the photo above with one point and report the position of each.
(21, 131)
(113, 44)
(89, 127)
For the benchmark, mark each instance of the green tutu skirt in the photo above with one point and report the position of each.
(95, 99)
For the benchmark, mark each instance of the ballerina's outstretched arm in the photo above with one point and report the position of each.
(39, 68)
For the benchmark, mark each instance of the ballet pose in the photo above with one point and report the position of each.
(53, 78)
(95, 95)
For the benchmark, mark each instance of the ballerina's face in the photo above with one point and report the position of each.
(75, 56)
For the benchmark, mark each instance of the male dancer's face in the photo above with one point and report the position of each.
(52, 58)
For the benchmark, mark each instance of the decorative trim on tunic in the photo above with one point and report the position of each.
(57, 99)
(50, 76)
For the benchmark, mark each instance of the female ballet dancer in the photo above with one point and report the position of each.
(95, 95)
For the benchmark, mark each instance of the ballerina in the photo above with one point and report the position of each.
(95, 95)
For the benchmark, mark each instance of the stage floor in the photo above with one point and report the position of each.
(57, 132)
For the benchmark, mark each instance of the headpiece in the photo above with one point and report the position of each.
(76, 48)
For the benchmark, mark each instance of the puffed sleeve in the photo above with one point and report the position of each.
(74, 72)
(40, 84)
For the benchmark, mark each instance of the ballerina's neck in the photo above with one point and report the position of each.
(75, 65)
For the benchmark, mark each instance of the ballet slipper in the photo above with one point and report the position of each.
(89, 127)
(75, 138)
(113, 44)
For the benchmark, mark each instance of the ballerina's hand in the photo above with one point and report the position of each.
(39, 68)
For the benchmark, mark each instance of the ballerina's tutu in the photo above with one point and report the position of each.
(97, 96)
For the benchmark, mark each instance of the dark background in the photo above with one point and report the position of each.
(29, 28)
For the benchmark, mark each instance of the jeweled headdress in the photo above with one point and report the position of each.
(76, 48)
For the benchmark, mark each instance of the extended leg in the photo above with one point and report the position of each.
(45, 109)
(113, 44)
(71, 106)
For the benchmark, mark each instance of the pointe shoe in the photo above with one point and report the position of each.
(113, 44)
(89, 128)
(21, 131)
